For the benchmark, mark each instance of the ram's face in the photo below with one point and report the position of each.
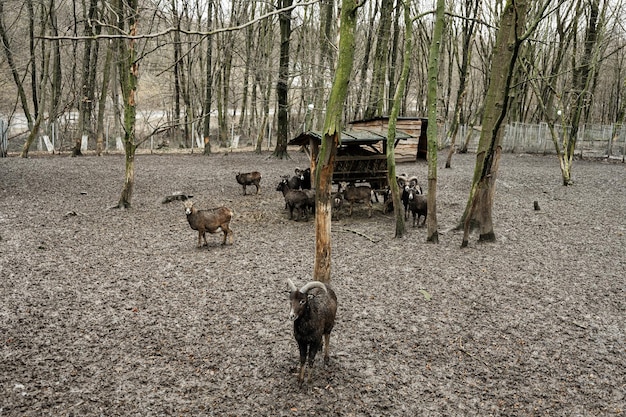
(188, 205)
(298, 304)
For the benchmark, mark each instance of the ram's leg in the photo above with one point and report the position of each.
(326, 348)
(227, 233)
(199, 239)
(312, 352)
(303, 352)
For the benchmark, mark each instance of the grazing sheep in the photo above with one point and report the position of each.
(249, 178)
(360, 194)
(418, 205)
(313, 310)
(294, 199)
(209, 221)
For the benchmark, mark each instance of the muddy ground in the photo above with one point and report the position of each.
(118, 313)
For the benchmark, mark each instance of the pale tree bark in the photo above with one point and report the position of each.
(432, 234)
(478, 211)
(128, 70)
(331, 139)
(282, 85)
(263, 79)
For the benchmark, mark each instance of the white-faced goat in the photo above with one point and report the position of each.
(211, 221)
(249, 178)
(360, 194)
(313, 310)
(418, 205)
(295, 199)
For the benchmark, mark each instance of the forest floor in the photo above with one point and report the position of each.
(117, 312)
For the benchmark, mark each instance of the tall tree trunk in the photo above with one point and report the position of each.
(33, 59)
(331, 139)
(282, 86)
(57, 74)
(106, 77)
(86, 91)
(393, 118)
(360, 88)
(16, 77)
(471, 10)
(432, 130)
(128, 70)
(480, 202)
(176, 137)
(376, 101)
(208, 94)
(581, 83)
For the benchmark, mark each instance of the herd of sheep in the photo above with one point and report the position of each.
(314, 305)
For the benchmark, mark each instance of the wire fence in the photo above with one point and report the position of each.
(594, 141)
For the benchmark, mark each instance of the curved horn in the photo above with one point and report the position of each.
(313, 284)
(292, 286)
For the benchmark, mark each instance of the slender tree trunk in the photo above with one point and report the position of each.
(480, 202)
(16, 77)
(471, 7)
(331, 139)
(393, 118)
(282, 86)
(106, 76)
(128, 69)
(86, 91)
(365, 63)
(208, 94)
(582, 76)
(376, 101)
(432, 129)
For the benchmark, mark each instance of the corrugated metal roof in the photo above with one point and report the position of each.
(357, 137)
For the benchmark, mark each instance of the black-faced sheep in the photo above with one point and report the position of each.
(210, 221)
(360, 194)
(418, 205)
(313, 310)
(305, 175)
(249, 178)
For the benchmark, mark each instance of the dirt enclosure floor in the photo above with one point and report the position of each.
(118, 313)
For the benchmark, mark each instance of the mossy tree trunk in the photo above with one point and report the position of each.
(128, 69)
(331, 139)
(478, 211)
(393, 118)
(432, 234)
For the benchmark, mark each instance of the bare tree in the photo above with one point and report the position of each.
(127, 12)
(480, 202)
(331, 137)
(282, 85)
